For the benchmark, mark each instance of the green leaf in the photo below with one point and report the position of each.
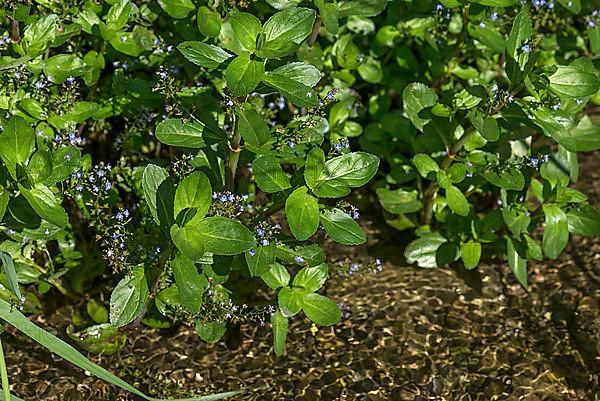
(417, 97)
(496, 3)
(361, 8)
(321, 310)
(203, 54)
(17, 143)
(584, 220)
(276, 277)
(470, 253)
(516, 253)
(118, 15)
(279, 323)
(355, 169)
(58, 68)
(251, 126)
(45, 204)
(289, 300)
(294, 91)
(65, 161)
(190, 283)
(193, 134)
(128, 298)
(218, 235)
(371, 71)
(269, 174)
(4, 199)
(260, 261)
(55, 345)
(189, 241)
(509, 179)
(572, 5)
(489, 36)
(520, 33)
(457, 201)
(285, 30)
(425, 164)
(516, 219)
(586, 135)
(315, 164)
(399, 201)
(177, 8)
(556, 231)
(302, 213)
(97, 311)
(8, 267)
(239, 32)
(159, 193)
(342, 228)
(193, 192)
(573, 82)
(243, 74)
(211, 332)
(209, 22)
(40, 166)
(38, 36)
(300, 72)
(423, 250)
(311, 278)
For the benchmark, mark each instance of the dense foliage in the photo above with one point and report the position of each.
(195, 153)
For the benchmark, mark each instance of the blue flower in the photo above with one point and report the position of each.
(299, 259)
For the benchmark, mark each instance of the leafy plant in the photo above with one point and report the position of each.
(180, 162)
(479, 115)
(184, 170)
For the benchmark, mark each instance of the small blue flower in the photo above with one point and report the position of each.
(252, 252)
(260, 232)
(299, 259)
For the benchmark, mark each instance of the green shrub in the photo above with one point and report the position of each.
(478, 112)
(191, 155)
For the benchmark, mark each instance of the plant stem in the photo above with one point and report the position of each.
(15, 32)
(234, 156)
(315, 32)
(4, 374)
(161, 265)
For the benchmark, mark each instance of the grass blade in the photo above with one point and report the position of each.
(11, 274)
(66, 351)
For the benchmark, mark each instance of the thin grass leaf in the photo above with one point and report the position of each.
(12, 398)
(4, 374)
(66, 351)
(11, 274)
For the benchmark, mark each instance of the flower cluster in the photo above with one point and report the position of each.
(181, 166)
(228, 204)
(592, 20)
(69, 136)
(535, 161)
(349, 268)
(342, 146)
(538, 4)
(266, 233)
(97, 181)
(350, 209)
(500, 99)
